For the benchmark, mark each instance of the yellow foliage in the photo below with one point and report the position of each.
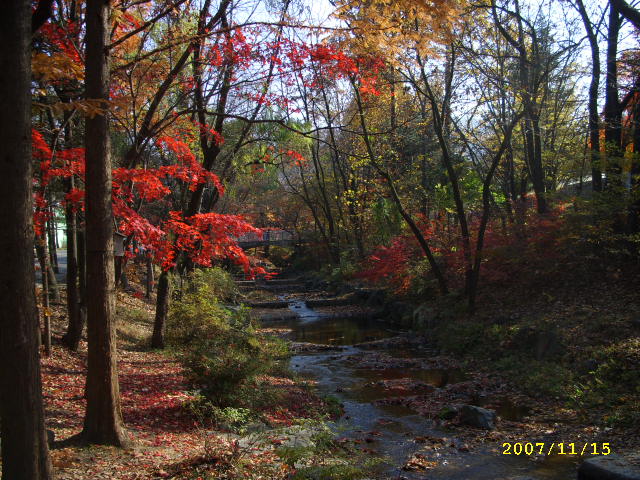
(56, 67)
(390, 26)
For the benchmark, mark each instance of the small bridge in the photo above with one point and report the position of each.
(280, 238)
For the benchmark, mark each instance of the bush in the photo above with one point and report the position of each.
(218, 345)
(320, 457)
(537, 377)
(280, 256)
(217, 282)
(614, 383)
(338, 274)
(461, 337)
(226, 367)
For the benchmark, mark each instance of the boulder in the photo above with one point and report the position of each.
(477, 417)
(610, 467)
(448, 412)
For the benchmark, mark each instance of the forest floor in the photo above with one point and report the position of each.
(170, 441)
(563, 351)
(559, 361)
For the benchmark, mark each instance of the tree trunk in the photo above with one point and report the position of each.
(634, 208)
(612, 106)
(82, 278)
(76, 320)
(51, 233)
(103, 419)
(594, 115)
(486, 213)
(25, 453)
(439, 116)
(162, 309)
(424, 244)
(528, 84)
(149, 277)
(46, 310)
(46, 270)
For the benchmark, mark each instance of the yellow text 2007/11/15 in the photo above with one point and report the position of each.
(560, 448)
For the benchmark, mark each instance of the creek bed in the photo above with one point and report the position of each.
(394, 431)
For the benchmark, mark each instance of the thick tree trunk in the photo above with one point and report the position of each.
(25, 454)
(630, 13)
(162, 309)
(103, 419)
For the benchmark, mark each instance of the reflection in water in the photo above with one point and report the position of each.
(396, 426)
(369, 389)
(339, 331)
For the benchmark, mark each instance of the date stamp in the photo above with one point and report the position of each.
(556, 448)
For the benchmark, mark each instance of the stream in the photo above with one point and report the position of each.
(396, 432)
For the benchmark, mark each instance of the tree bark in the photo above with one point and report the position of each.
(162, 309)
(45, 268)
(25, 453)
(628, 12)
(612, 106)
(634, 208)
(103, 419)
(76, 320)
(594, 115)
(149, 276)
(53, 241)
(46, 311)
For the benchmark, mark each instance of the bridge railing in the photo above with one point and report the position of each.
(268, 236)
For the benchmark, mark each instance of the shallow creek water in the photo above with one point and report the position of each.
(390, 430)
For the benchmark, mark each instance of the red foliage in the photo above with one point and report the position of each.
(537, 241)
(59, 39)
(204, 237)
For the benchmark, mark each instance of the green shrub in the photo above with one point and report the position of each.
(460, 337)
(338, 274)
(280, 256)
(224, 367)
(218, 345)
(537, 377)
(614, 384)
(321, 458)
(217, 282)
(234, 419)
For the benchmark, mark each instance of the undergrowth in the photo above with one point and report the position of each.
(220, 346)
(556, 304)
